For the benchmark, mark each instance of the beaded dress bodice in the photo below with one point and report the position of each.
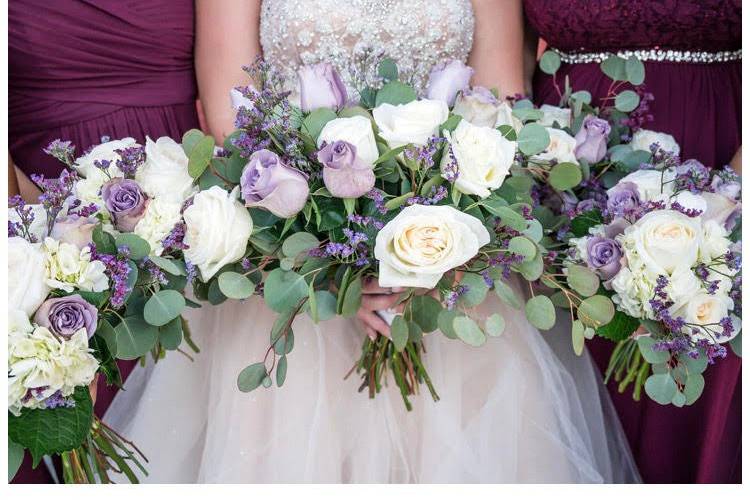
(355, 34)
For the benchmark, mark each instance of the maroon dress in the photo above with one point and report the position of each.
(699, 104)
(79, 70)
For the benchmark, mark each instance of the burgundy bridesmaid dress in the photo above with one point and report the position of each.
(80, 70)
(699, 104)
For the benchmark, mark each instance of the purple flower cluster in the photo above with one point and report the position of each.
(450, 170)
(452, 296)
(155, 271)
(62, 151)
(379, 199)
(175, 240)
(355, 249)
(437, 193)
(118, 270)
(57, 400)
(131, 159)
(642, 114)
(425, 155)
(365, 221)
(54, 193)
(26, 216)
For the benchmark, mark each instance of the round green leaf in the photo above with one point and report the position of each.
(139, 248)
(388, 70)
(564, 176)
(626, 101)
(235, 285)
(251, 377)
(395, 93)
(445, 323)
(475, 292)
(284, 289)
(170, 335)
(399, 332)
(468, 331)
(521, 245)
(645, 345)
(694, 366)
(549, 62)
(190, 139)
(534, 231)
(15, 457)
(532, 139)
(134, 337)
(200, 155)
(693, 389)
(352, 298)
(315, 121)
(506, 294)
(171, 266)
(583, 96)
(583, 280)
(635, 71)
(325, 303)
(540, 312)
(679, 399)
(494, 325)
(578, 337)
(509, 217)
(424, 311)
(298, 243)
(614, 67)
(661, 388)
(267, 382)
(596, 311)
(163, 307)
(532, 269)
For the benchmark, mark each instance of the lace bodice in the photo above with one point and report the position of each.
(354, 34)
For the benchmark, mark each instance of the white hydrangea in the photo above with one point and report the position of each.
(40, 364)
(160, 218)
(70, 268)
(634, 285)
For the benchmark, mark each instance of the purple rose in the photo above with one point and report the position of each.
(447, 80)
(623, 198)
(604, 256)
(74, 229)
(64, 316)
(591, 140)
(267, 183)
(125, 202)
(321, 87)
(616, 227)
(586, 205)
(344, 173)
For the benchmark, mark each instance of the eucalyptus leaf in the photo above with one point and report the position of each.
(596, 311)
(251, 377)
(693, 387)
(523, 246)
(326, 305)
(549, 62)
(395, 93)
(614, 67)
(475, 290)
(200, 156)
(564, 176)
(626, 101)
(235, 285)
(281, 371)
(506, 293)
(15, 458)
(190, 139)
(297, 243)
(399, 332)
(170, 335)
(532, 269)
(315, 121)
(540, 312)
(134, 337)
(635, 71)
(169, 265)
(583, 280)
(163, 307)
(532, 139)
(388, 70)
(445, 323)
(468, 331)
(352, 298)
(646, 345)
(494, 325)
(661, 388)
(284, 289)
(424, 311)
(139, 248)
(577, 337)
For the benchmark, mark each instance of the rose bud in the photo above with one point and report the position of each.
(64, 316)
(125, 202)
(447, 80)
(267, 183)
(344, 173)
(321, 87)
(622, 198)
(591, 140)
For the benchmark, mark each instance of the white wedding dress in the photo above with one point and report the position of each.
(521, 408)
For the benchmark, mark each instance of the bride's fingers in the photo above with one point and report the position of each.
(371, 287)
(378, 302)
(372, 320)
(371, 333)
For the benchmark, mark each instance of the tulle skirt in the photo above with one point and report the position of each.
(520, 409)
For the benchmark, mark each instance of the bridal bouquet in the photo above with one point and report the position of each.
(91, 280)
(393, 187)
(645, 249)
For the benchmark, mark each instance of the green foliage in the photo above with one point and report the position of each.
(297, 243)
(388, 70)
(635, 72)
(315, 121)
(626, 101)
(251, 377)
(170, 335)
(284, 289)
(540, 312)
(583, 280)
(163, 307)
(476, 290)
(424, 311)
(532, 139)
(645, 345)
(577, 336)
(134, 337)
(614, 67)
(507, 294)
(596, 311)
(281, 371)
(200, 156)
(50, 431)
(581, 223)
(395, 93)
(521, 245)
(468, 331)
(235, 285)
(105, 242)
(620, 328)
(661, 388)
(399, 332)
(445, 323)
(139, 248)
(549, 62)
(564, 176)
(15, 458)
(170, 266)
(494, 325)
(352, 298)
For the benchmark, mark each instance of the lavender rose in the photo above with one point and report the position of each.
(74, 229)
(603, 256)
(64, 316)
(267, 183)
(321, 87)
(622, 198)
(125, 202)
(447, 80)
(344, 173)
(591, 140)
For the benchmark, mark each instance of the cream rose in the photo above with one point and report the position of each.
(357, 131)
(652, 184)
(715, 241)
(552, 114)
(561, 147)
(423, 242)
(411, 123)
(682, 286)
(27, 283)
(165, 173)
(483, 157)
(69, 267)
(707, 310)
(643, 139)
(218, 229)
(665, 241)
(478, 109)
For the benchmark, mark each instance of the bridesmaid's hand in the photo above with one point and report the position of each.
(375, 298)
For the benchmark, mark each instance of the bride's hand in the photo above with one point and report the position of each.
(375, 298)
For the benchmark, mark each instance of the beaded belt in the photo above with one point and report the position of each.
(684, 56)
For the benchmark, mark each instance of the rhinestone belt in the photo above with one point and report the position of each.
(684, 56)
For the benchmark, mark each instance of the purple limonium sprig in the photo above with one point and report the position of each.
(450, 171)
(155, 271)
(640, 115)
(377, 196)
(62, 151)
(452, 296)
(425, 155)
(437, 193)
(130, 159)
(191, 271)
(118, 269)
(365, 221)
(690, 212)
(175, 240)
(54, 193)
(26, 216)
(57, 400)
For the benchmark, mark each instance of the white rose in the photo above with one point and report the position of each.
(357, 131)
(411, 123)
(103, 152)
(665, 241)
(40, 365)
(483, 157)
(477, 110)
(552, 114)
(561, 147)
(27, 284)
(165, 173)
(69, 267)
(682, 286)
(643, 139)
(652, 184)
(715, 241)
(691, 201)
(423, 242)
(218, 229)
(505, 117)
(160, 218)
(707, 310)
